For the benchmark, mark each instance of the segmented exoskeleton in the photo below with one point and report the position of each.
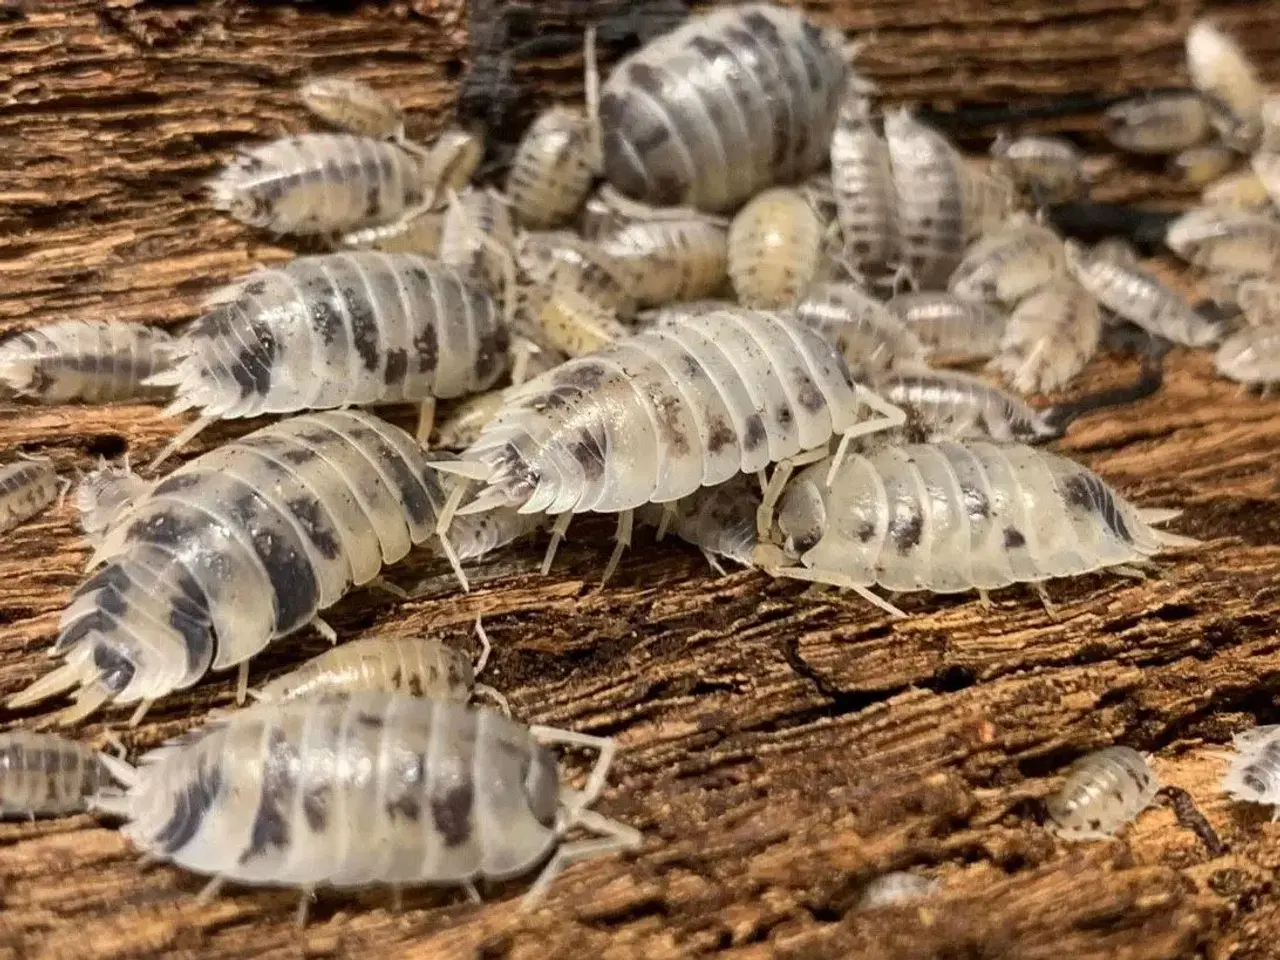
(1104, 790)
(91, 360)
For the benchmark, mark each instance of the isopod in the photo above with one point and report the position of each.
(1242, 191)
(1016, 260)
(776, 249)
(869, 335)
(1115, 250)
(1198, 166)
(238, 547)
(577, 294)
(720, 521)
(91, 360)
(104, 495)
(1254, 773)
(932, 185)
(372, 788)
(477, 239)
(1050, 337)
(1103, 791)
(1229, 83)
(352, 106)
(44, 775)
(654, 417)
(728, 104)
(897, 889)
(1266, 167)
(669, 260)
(1137, 296)
(1227, 241)
(950, 326)
(1050, 169)
(1157, 123)
(1259, 300)
(419, 233)
(26, 488)
(863, 188)
(553, 169)
(1251, 355)
(952, 405)
(337, 330)
(990, 197)
(950, 517)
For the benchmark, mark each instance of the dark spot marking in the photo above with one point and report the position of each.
(762, 27)
(279, 782)
(720, 436)
(906, 529)
(112, 602)
(692, 368)
(669, 189)
(668, 410)
(406, 805)
(753, 433)
(613, 111)
(866, 530)
(197, 637)
(976, 504)
(370, 720)
(315, 807)
(115, 669)
(586, 375)
(414, 685)
(1086, 492)
(589, 454)
(1254, 781)
(365, 336)
(645, 78)
(811, 398)
(298, 456)
(1095, 824)
(372, 201)
(397, 366)
(451, 813)
(254, 362)
(1013, 539)
(493, 346)
(784, 416)
(426, 347)
(254, 288)
(189, 808)
(314, 520)
(651, 138)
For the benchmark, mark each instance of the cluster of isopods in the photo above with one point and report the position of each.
(726, 298)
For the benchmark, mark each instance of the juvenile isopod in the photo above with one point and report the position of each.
(1139, 297)
(1104, 791)
(372, 788)
(730, 103)
(236, 548)
(91, 360)
(477, 239)
(862, 187)
(553, 169)
(1242, 191)
(337, 330)
(952, 405)
(1158, 123)
(1254, 773)
(1016, 260)
(1227, 241)
(869, 335)
(990, 197)
(1223, 74)
(669, 260)
(1251, 355)
(26, 488)
(1050, 337)
(1049, 169)
(656, 416)
(1198, 166)
(104, 495)
(897, 889)
(720, 521)
(776, 249)
(951, 517)
(352, 106)
(1115, 250)
(576, 295)
(44, 775)
(950, 326)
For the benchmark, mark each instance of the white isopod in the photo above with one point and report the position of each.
(352, 106)
(1227, 241)
(670, 260)
(91, 360)
(1104, 790)
(553, 169)
(238, 547)
(869, 335)
(1241, 191)
(1158, 123)
(26, 488)
(897, 889)
(1011, 263)
(1198, 166)
(948, 404)
(1049, 169)
(1254, 773)
(776, 249)
(1251, 355)
(338, 330)
(1229, 83)
(658, 415)
(950, 326)
(730, 103)
(44, 775)
(1139, 297)
(862, 187)
(104, 495)
(1050, 337)
(373, 788)
(720, 521)
(932, 185)
(478, 238)
(952, 517)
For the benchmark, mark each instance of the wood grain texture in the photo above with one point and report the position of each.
(779, 750)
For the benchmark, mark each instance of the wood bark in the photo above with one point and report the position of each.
(779, 750)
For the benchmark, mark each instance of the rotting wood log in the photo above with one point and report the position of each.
(778, 750)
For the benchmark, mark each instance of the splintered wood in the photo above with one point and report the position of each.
(779, 749)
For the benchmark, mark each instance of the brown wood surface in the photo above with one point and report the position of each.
(778, 750)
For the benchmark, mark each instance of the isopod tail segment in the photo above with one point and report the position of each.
(611, 836)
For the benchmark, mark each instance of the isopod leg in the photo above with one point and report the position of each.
(209, 891)
(890, 417)
(668, 511)
(426, 421)
(483, 689)
(836, 579)
(715, 564)
(622, 540)
(772, 491)
(139, 712)
(486, 648)
(185, 436)
(557, 534)
(242, 683)
(591, 85)
(616, 837)
(473, 895)
(450, 554)
(304, 906)
(397, 897)
(88, 700)
(605, 748)
(323, 628)
(450, 507)
(1049, 607)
